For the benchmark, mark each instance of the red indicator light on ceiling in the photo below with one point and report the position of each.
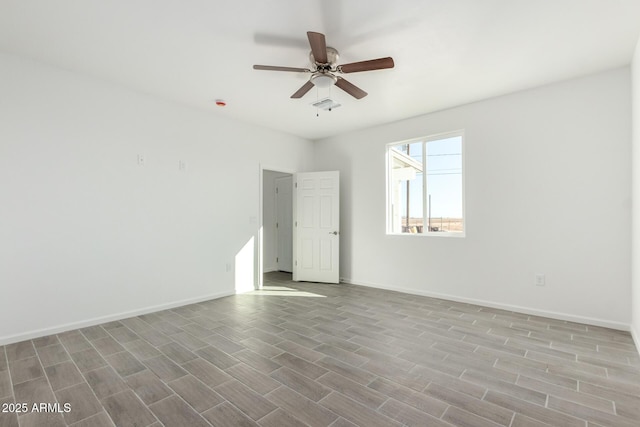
(220, 103)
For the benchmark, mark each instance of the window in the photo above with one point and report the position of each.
(426, 186)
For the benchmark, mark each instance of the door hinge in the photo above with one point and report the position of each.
(276, 190)
(296, 223)
(277, 259)
(296, 185)
(296, 262)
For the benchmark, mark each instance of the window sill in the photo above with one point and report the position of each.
(455, 235)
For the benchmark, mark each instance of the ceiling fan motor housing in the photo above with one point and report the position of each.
(332, 59)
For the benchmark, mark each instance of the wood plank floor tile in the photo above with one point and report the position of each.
(177, 353)
(300, 365)
(589, 414)
(74, 341)
(107, 346)
(280, 418)
(25, 369)
(367, 396)
(206, 372)
(82, 401)
(88, 359)
(63, 375)
(222, 343)
(298, 350)
(52, 355)
(8, 419)
(303, 385)
(196, 393)
(125, 364)
(123, 334)
(164, 368)
(20, 350)
(257, 361)
(173, 411)
(262, 348)
(226, 414)
(148, 387)
(45, 341)
(566, 394)
(217, 357)
(245, 399)
(141, 349)
(6, 388)
(100, 419)
(302, 408)
(94, 333)
(355, 412)
(534, 411)
(355, 374)
(420, 401)
(34, 392)
(256, 380)
(475, 406)
(460, 417)
(126, 410)
(505, 387)
(39, 419)
(410, 416)
(105, 382)
(356, 357)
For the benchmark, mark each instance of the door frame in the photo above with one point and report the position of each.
(262, 168)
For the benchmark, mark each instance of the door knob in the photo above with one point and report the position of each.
(335, 233)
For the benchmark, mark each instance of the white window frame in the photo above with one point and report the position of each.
(425, 140)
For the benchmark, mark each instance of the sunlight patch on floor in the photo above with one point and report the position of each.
(282, 291)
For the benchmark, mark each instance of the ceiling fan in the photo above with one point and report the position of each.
(324, 68)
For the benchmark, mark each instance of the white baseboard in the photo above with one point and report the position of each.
(636, 337)
(104, 319)
(515, 308)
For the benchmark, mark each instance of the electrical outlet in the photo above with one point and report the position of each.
(182, 165)
(141, 160)
(540, 280)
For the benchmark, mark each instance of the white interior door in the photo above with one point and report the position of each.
(284, 223)
(316, 230)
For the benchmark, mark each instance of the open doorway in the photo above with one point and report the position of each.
(277, 221)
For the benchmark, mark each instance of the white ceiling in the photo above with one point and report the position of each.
(447, 52)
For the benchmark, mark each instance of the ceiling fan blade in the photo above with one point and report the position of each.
(350, 88)
(274, 68)
(373, 64)
(318, 46)
(303, 90)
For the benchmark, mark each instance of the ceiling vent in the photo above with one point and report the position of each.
(326, 104)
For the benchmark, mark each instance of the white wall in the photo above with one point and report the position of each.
(85, 233)
(635, 253)
(547, 191)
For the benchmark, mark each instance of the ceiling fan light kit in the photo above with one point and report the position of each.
(324, 68)
(323, 80)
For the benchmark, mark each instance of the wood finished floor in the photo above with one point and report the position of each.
(327, 355)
